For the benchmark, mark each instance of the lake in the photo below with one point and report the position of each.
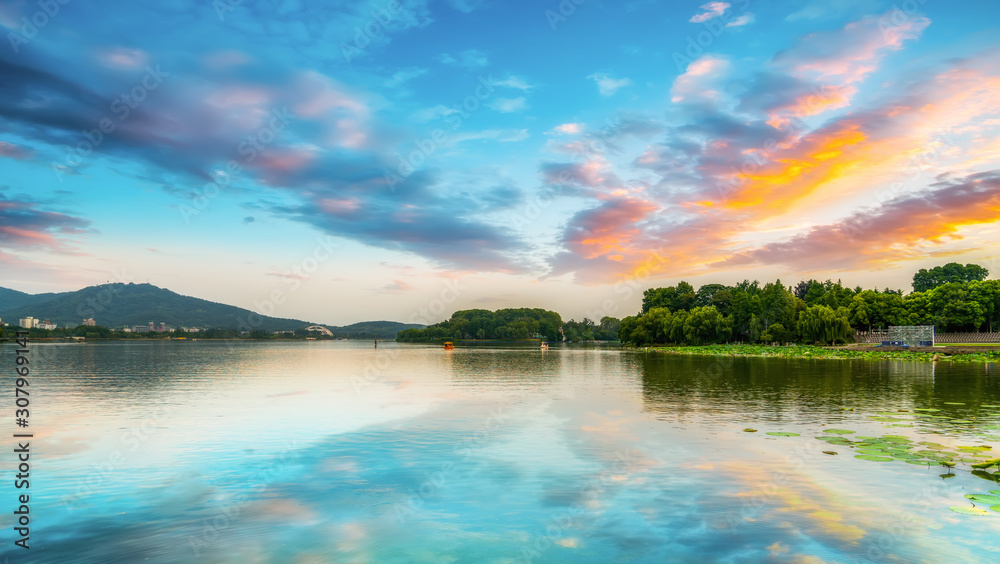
(311, 452)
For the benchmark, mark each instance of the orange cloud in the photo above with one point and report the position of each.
(820, 99)
(793, 172)
(893, 232)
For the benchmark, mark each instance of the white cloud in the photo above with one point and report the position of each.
(608, 85)
(500, 135)
(471, 58)
(568, 128)
(823, 9)
(125, 58)
(697, 80)
(447, 59)
(404, 76)
(745, 19)
(466, 6)
(509, 105)
(712, 10)
(514, 136)
(428, 114)
(515, 82)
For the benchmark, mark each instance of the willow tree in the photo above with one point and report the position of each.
(821, 323)
(706, 325)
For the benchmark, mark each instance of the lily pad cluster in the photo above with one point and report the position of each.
(888, 448)
(980, 422)
(808, 351)
(991, 500)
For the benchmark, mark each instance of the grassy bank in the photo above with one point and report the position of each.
(805, 351)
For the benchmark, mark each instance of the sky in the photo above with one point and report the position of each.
(346, 161)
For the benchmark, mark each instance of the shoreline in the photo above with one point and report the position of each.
(831, 353)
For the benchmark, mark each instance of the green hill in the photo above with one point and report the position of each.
(12, 299)
(371, 329)
(117, 305)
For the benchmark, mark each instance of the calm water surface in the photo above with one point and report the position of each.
(335, 452)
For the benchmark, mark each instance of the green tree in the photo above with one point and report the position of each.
(743, 306)
(987, 294)
(777, 332)
(706, 294)
(861, 310)
(925, 279)
(503, 324)
(675, 298)
(608, 330)
(821, 323)
(677, 321)
(802, 288)
(705, 325)
(952, 307)
(769, 305)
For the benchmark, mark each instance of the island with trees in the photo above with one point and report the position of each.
(953, 298)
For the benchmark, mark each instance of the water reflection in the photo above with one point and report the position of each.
(807, 390)
(336, 452)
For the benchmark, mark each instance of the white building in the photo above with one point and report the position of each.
(47, 325)
(28, 323)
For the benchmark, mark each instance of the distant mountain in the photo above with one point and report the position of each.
(117, 305)
(11, 299)
(372, 329)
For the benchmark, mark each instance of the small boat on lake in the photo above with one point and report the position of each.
(448, 346)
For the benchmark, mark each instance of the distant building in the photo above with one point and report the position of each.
(127, 330)
(89, 322)
(28, 322)
(47, 325)
(162, 328)
(141, 328)
(151, 327)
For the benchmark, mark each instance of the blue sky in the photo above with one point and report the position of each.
(554, 155)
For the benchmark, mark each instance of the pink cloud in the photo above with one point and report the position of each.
(16, 152)
(699, 79)
(711, 10)
(849, 54)
(24, 225)
(568, 128)
(397, 287)
(339, 207)
(722, 177)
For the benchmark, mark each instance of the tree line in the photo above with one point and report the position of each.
(950, 297)
(482, 324)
